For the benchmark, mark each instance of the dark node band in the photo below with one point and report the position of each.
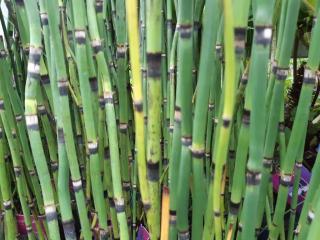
(61, 135)
(240, 37)
(267, 162)
(77, 185)
(263, 35)
(146, 206)
(1, 104)
(32, 122)
(111, 202)
(217, 214)
(54, 166)
(33, 70)
(153, 171)
(185, 30)
(234, 208)
(310, 217)
(93, 84)
(108, 98)
(244, 79)
(186, 141)
(154, 65)
(35, 55)
(138, 106)
(69, 229)
(44, 19)
(281, 73)
(42, 110)
(232, 154)
(19, 118)
(106, 153)
(80, 36)
(20, 2)
(32, 173)
(253, 178)
(225, 122)
(309, 77)
(184, 235)
(199, 153)
(172, 218)
(99, 6)
(63, 87)
(45, 79)
(7, 205)
(219, 51)
(119, 205)
(17, 171)
(123, 127)
(246, 117)
(121, 51)
(51, 213)
(92, 147)
(285, 180)
(96, 46)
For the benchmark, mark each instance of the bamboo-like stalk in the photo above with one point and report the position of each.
(153, 57)
(65, 134)
(5, 191)
(185, 86)
(259, 66)
(132, 15)
(31, 89)
(225, 123)
(209, 35)
(300, 123)
(78, 8)
(110, 115)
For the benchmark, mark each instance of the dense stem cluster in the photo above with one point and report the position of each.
(163, 113)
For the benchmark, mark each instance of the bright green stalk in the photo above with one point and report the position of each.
(110, 116)
(22, 133)
(122, 84)
(225, 123)
(60, 85)
(132, 16)
(184, 85)
(5, 192)
(258, 79)
(153, 51)
(78, 8)
(31, 89)
(175, 139)
(300, 123)
(210, 29)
